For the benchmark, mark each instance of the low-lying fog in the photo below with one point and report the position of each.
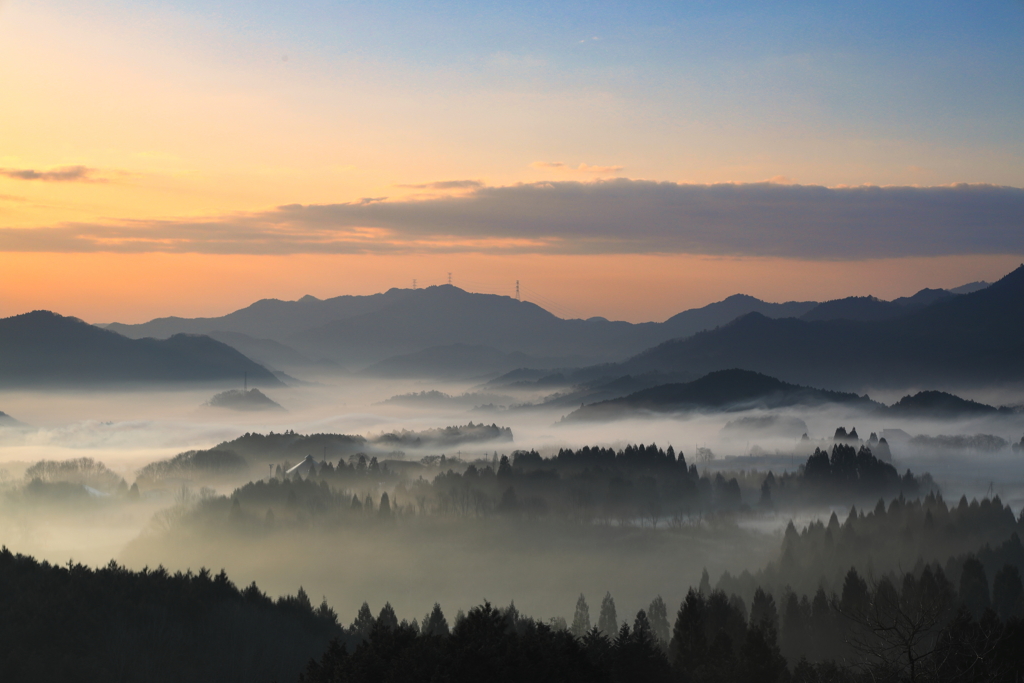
(540, 565)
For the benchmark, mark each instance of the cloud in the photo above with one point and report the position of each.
(447, 185)
(604, 216)
(61, 174)
(582, 168)
(586, 168)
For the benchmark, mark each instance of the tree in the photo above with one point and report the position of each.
(795, 617)
(657, 613)
(363, 623)
(509, 501)
(896, 632)
(608, 621)
(387, 619)
(1007, 593)
(637, 655)
(434, 624)
(763, 612)
(974, 587)
(689, 640)
(855, 594)
(504, 468)
(705, 583)
(760, 660)
(581, 618)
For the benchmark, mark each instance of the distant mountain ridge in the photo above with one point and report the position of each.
(975, 338)
(732, 390)
(43, 349)
(721, 390)
(360, 331)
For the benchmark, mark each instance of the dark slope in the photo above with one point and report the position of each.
(863, 308)
(969, 287)
(8, 421)
(719, 313)
(939, 404)
(869, 308)
(445, 315)
(362, 330)
(244, 399)
(969, 339)
(268, 318)
(359, 331)
(927, 297)
(717, 391)
(43, 349)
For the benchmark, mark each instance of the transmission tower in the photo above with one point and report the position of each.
(517, 291)
(414, 283)
(449, 278)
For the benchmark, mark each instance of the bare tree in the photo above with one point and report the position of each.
(897, 632)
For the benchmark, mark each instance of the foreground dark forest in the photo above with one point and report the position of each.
(953, 618)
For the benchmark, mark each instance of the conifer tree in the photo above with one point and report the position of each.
(608, 621)
(581, 618)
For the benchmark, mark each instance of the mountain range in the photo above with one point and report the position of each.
(444, 332)
(43, 349)
(359, 331)
(717, 391)
(419, 331)
(969, 340)
(731, 390)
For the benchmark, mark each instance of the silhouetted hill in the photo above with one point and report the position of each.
(363, 330)
(8, 421)
(864, 308)
(359, 331)
(970, 339)
(969, 287)
(938, 404)
(718, 391)
(869, 308)
(244, 399)
(442, 316)
(719, 313)
(43, 349)
(926, 297)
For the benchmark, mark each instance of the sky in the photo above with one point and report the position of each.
(628, 160)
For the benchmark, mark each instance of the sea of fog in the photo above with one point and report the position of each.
(127, 430)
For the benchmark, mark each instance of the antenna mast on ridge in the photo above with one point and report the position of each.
(517, 291)
(449, 278)
(414, 283)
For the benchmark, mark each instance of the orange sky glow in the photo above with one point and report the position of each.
(132, 288)
(184, 131)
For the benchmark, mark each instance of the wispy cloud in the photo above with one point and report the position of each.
(582, 168)
(61, 174)
(604, 216)
(447, 185)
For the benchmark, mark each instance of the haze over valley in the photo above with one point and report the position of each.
(527, 342)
